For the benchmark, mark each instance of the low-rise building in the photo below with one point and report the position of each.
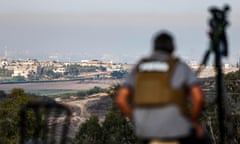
(96, 63)
(59, 70)
(24, 68)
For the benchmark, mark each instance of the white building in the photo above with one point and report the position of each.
(59, 70)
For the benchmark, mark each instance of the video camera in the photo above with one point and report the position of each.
(217, 34)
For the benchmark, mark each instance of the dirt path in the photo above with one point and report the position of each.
(80, 110)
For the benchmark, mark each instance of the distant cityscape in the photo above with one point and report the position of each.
(33, 69)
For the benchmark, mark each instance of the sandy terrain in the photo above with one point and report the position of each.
(97, 104)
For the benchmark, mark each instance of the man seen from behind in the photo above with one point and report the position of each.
(162, 96)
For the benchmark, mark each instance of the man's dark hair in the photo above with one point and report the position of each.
(163, 42)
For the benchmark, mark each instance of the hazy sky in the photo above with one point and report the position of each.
(118, 30)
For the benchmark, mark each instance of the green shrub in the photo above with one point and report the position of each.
(90, 132)
(90, 91)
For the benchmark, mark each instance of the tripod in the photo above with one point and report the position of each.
(219, 47)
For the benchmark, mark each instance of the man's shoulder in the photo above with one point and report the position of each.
(183, 64)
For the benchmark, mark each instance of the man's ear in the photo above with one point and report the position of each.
(171, 50)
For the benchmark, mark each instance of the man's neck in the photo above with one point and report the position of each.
(161, 54)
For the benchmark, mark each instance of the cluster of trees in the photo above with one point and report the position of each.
(119, 74)
(70, 71)
(231, 106)
(48, 73)
(80, 94)
(5, 72)
(232, 85)
(115, 129)
(90, 91)
(77, 69)
(10, 105)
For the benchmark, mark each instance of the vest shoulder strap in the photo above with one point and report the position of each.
(172, 64)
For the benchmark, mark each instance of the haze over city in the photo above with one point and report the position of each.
(71, 30)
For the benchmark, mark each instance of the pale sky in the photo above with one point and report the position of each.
(118, 30)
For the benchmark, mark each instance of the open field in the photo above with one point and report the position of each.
(50, 88)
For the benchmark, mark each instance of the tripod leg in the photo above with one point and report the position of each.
(204, 61)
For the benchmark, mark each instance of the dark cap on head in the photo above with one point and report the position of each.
(163, 41)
